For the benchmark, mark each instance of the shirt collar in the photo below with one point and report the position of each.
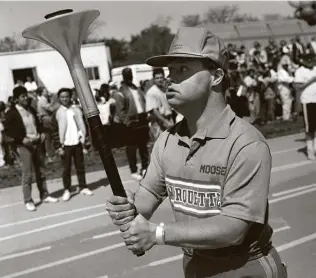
(64, 107)
(218, 129)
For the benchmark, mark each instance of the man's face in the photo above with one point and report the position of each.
(190, 83)
(23, 100)
(159, 80)
(64, 99)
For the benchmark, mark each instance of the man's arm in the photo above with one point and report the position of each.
(149, 195)
(145, 202)
(244, 201)
(309, 82)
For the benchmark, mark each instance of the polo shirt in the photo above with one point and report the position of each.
(223, 169)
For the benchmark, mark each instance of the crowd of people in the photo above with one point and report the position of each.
(266, 79)
(37, 127)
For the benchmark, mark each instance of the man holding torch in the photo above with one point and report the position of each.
(214, 168)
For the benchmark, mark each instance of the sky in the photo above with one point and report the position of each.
(121, 19)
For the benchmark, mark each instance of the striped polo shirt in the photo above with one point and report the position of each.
(223, 169)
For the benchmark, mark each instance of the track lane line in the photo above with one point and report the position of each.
(296, 189)
(64, 261)
(51, 226)
(25, 253)
(50, 216)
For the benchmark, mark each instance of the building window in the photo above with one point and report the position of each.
(93, 73)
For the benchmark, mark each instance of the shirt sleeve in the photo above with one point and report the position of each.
(245, 193)
(154, 179)
(283, 76)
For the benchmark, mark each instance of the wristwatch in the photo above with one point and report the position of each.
(160, 234)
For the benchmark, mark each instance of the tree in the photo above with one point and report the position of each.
(272, 17)
(119, 50)
(191, 20)
(162, 21)
(221, 14)
(14, 43)
(92, 30)
(154, 40)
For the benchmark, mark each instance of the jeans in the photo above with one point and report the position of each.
(31, 159)
(137, 139)
(75, 152)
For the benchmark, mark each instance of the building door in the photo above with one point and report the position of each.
(22, 74)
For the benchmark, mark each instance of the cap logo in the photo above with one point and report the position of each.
(176, 47)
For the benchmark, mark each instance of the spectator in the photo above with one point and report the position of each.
(252, 95)
(30, 84)
(285, 80)
(157, 105)
(308, 100)
(268, 79)
(69, 138)
(131, 109)
(23, 126)
(45, 111)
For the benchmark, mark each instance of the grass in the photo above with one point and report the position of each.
(10, 177)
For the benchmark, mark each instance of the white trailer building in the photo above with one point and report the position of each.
(49, 69)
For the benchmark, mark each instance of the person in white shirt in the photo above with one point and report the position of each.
(284, 87)
(253, 97)
(30, 85)
(157, 105)
(301, 76)
(308, 101)
(69, 141)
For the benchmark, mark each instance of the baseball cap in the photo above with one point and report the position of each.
(194, 42)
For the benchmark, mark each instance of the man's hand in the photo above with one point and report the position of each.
(42, 137)
(121, 210)
(141, 235)
(27, 142)
(61, 152)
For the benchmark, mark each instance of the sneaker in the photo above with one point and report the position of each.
(136, 176)
(50, 199)
(143, 172)
(30, 206)
(86, 191)
(66, 196)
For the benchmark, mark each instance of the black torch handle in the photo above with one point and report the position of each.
(106, 155)
(107, 158)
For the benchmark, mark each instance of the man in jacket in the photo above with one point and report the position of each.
(69, 141)
(131, 109)
(22, 125)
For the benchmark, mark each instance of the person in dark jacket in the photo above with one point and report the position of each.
(23, 126)
(131, 109)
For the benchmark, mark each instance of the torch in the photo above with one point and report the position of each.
(64, 31)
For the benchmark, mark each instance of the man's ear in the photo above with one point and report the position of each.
(218, 77)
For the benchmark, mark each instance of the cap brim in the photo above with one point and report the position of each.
(164, 60)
